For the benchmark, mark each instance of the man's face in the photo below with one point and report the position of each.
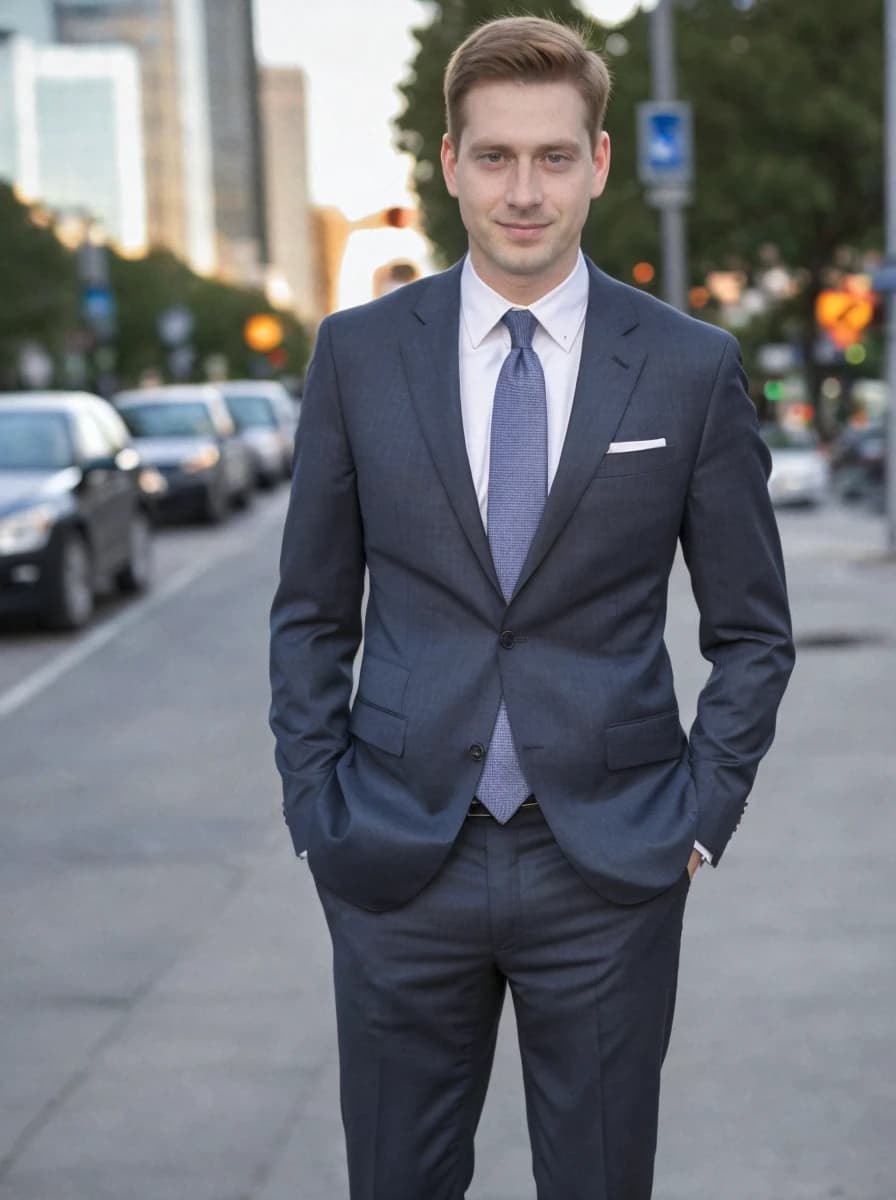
(524, 174)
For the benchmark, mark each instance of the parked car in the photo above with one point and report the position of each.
(266, 419)
(74, 506)
(800, 472)
(187, 433)
(858, 464)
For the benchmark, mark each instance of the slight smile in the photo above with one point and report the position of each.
(522, 232)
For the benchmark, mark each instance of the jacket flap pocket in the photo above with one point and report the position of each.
(652, 739)
(383, 683)
(381, 729)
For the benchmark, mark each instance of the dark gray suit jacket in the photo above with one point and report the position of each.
(378, 793)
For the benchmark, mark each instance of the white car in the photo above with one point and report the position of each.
(800, 471)
(266, 420)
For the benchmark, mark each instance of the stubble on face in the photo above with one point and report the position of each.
(524, 172)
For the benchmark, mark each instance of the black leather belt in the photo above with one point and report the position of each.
(478, 809)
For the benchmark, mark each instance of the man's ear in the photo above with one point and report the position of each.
(449, 164)
(600, 164)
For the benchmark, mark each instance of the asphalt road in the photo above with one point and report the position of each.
(166, 1027)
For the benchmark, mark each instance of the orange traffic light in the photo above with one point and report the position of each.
(398, 218)
(263, 332)
(843, 315)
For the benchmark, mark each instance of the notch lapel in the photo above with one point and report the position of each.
(429, 351)
(611, 362)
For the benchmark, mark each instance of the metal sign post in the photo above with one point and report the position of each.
(665, 154)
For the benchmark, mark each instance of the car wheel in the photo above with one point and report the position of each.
(72, 600)
(136, 574)
(243, 498)
(216, 505)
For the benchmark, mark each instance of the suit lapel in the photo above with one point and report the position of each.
(429, 350)
(611, 362)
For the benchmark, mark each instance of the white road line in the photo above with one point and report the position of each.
(44, 677)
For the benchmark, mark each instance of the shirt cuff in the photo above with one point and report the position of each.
(703, 852)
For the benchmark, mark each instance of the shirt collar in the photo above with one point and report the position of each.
(560, 313)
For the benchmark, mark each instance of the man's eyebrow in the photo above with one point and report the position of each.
(483, 144)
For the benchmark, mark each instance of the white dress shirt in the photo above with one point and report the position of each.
(485, 343)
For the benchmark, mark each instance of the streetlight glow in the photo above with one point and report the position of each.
(609, 12)
(615, 12)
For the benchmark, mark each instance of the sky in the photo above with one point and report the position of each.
(354, 52)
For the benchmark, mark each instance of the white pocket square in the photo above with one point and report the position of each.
(629, 447)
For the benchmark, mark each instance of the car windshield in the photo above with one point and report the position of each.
(251, 412)
(34, 441)
(168, 420)
(778, 438)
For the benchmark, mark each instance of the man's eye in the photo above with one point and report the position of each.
(558, 159)
(492, 156)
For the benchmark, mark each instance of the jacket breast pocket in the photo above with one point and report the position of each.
(649, 740)
(637, 462)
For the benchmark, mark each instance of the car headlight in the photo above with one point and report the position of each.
(152, 482)
(202, 461)
(26, 531)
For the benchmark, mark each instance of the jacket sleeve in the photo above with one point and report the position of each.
(731, 546)
(316, 613)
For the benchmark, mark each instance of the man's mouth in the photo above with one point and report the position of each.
(522, 229)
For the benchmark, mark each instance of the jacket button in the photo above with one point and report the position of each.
(477, 752)
(507, 639)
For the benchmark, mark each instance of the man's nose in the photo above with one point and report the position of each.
(524, 186)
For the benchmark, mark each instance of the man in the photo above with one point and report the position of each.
(514, 449)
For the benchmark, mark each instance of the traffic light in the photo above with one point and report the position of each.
(844, 313)
(398, 217)
(774, 391)
(263, 332)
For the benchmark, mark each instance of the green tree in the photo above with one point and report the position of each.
(40, 301)
(145, 287)
(788, 102)
(38, 285)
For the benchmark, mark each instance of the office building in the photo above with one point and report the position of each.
(289, 224)
(71, 134)
(169, 39)
(237, 165)
(28, 18)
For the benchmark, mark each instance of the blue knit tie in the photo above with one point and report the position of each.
(517, 489)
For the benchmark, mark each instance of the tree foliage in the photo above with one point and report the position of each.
(38, 285)
(40, 301)
(788, 101)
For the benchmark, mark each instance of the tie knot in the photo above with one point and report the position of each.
(521, 324)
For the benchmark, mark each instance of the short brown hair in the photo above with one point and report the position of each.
(526, 50)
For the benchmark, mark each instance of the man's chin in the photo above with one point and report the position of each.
(526, 260)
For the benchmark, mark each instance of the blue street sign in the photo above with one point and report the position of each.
(98, 305)
(665, 144)
(99, 310)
